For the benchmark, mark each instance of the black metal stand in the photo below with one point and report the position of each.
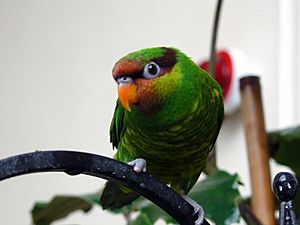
(74, 163)
(285, 189)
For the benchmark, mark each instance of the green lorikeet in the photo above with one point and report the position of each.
(169, 113)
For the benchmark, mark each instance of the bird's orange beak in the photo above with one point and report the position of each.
(127, 95)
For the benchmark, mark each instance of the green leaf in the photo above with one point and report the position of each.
(61, 206)
(285, 147)
(218, 194)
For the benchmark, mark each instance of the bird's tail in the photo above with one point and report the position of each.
(115, 196)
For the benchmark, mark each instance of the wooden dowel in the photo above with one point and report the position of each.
(262, 203)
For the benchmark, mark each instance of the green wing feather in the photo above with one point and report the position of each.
(115, 196)
(117, 126)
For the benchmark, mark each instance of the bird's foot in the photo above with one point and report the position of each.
(197, 209)
(138, 165)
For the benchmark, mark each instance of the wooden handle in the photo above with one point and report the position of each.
(253, 119)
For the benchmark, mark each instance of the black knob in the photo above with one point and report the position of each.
(285, 186)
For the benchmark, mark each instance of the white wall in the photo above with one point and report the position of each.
(288, 62)
(56, 89)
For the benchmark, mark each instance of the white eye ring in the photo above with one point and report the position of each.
(151, 70)
(124, 80)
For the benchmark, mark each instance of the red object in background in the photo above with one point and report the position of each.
(231, 65)
(223, 71)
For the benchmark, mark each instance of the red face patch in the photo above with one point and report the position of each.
(125, 67)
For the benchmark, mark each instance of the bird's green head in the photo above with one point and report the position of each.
(150, 77)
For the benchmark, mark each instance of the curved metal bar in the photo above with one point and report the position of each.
(73, 163)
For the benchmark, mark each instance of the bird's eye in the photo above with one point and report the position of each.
(151, 70)
(124, 80)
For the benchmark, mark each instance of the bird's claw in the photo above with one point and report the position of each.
(197, 210)
(138, 165)
(200, 213)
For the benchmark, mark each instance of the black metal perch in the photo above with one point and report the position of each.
(285, 188)
(74, 163)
